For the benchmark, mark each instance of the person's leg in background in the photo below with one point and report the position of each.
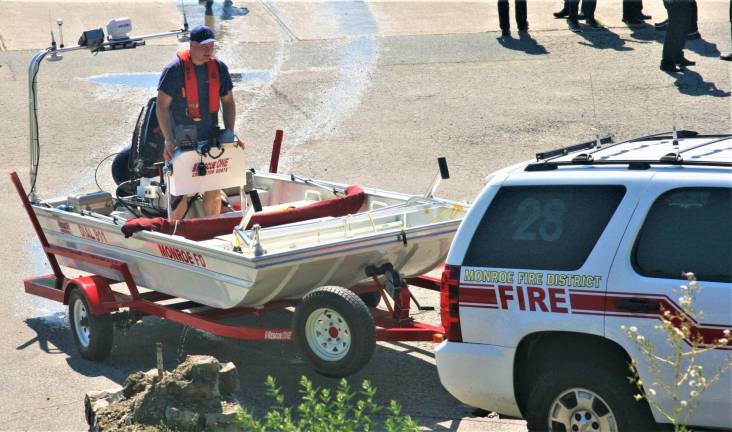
(588, 9)
(633, 12)
(673, 43)
(521, 16)
(503, 18)
(629, 12)
(572, 13)
(562, 13)
(728, 57)
(693, 21)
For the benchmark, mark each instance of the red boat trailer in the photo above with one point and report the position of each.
(392, 325)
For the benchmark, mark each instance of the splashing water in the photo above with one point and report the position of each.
(52, 313)
(357, 59)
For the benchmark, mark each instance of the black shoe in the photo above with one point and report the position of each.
(574, 26)
(633, 21)
(693, 36)
(581, 17)
(593, 23)
(669, 66)
(506, 33)
(523, 28)
(644, 17)
(728, 57)
(662, 26)
(685, 62)
(561, 14)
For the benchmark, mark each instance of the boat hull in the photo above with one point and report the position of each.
(225, 279)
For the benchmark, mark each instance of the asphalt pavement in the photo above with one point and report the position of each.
(368, 93)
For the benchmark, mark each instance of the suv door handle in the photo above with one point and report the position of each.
(635, 304)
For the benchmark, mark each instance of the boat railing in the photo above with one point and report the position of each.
(393, 218)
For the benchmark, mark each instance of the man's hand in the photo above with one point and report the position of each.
(238, 142)
(169, 149)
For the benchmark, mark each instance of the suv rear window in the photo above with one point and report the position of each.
(687, 230)
(542, 227)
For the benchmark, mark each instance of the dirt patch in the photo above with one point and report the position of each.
(196, 396)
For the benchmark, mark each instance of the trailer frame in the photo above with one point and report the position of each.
(394, 324)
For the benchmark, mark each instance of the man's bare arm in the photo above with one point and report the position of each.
(228, 106)
(165, 122)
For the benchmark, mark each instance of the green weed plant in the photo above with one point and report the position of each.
(322, 410)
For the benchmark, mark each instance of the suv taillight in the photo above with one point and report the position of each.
(449, 303)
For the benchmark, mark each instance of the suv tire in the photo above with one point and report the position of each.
(583, 392)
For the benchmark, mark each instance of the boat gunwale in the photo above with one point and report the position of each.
(246, 260)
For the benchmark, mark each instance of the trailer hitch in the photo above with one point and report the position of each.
(397, 288)
(392, 279)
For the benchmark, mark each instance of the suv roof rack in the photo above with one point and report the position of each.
(545, 159)
(669, 159)
(563, 151)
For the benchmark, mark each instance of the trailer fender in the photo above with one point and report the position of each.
(95, 289)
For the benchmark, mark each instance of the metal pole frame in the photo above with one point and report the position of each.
(35, 65)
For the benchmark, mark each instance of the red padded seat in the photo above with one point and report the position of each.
(209, 227)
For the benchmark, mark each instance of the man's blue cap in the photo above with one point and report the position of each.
(202, 34)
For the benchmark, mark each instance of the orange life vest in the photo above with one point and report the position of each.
(190, 90)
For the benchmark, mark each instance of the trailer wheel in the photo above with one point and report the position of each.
(335, 331)
(93, 334)
(371, 299)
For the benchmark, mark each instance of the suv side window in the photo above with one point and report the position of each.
(687, 230)
(542, 227)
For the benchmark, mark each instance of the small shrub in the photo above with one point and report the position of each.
(321, 410)
(690, 379)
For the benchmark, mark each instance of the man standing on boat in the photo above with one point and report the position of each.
(192, 87)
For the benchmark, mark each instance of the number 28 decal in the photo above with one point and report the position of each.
(535, 218)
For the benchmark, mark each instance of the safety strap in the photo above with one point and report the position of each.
(190, 90)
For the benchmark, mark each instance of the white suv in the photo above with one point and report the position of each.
(555, 255)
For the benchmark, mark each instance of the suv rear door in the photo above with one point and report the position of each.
(530, 250)
(683, 224)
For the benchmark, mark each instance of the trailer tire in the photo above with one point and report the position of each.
(371, 299)
(335, 331)
(93, 334)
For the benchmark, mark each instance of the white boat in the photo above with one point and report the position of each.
(413, 233)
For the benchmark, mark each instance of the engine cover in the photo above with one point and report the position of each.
(226, 171)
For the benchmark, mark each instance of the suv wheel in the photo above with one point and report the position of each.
(586, 397)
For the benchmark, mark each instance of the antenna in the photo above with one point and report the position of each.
(60, 23)
(184, 37)
(598, 143)
(54, 55)
(674, 134)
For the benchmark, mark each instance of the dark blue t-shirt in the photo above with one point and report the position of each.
(172, 82)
